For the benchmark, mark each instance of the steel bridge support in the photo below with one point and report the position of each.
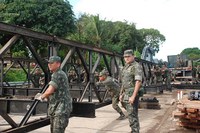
(86, 95)
(89, 98)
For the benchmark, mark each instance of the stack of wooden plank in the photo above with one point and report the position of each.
(188, 113)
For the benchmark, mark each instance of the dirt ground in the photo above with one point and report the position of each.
(167, 123)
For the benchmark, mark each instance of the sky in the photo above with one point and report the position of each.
(177, 20)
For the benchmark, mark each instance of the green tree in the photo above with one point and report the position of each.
(192, 53)
(90, 30)
(127, 36)
(114, 36)
(48, 16)
(152, 38)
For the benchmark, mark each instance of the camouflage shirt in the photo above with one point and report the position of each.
(36, 79)
(60, 102)
(158, 74)
(111, 84)
(130, 73)
(198, 69)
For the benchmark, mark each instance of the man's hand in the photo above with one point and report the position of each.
(98, 83)
(38, 96)
(131, 99)
(121, 98)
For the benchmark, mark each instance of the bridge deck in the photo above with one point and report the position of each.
(151, 120)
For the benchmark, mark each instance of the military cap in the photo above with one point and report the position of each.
(128, 52)
(54, 59)
(102, 73)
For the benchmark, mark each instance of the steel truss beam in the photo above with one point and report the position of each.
(26, 35)
(89, 65)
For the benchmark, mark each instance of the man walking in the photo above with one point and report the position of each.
(131, 77)
(58, 95)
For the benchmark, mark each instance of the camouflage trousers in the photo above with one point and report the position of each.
(115, 102)
(59, 123)
(132, 110)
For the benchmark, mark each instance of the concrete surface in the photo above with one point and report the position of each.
(151, 120)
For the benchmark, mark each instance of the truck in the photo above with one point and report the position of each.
(181, 69)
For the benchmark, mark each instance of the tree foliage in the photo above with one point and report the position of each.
(152, 38)
(192, 53)
(56, 17)
(90, 30)
(126, 36)
(116, 36)
(48, 16)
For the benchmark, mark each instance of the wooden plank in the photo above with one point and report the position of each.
(192, 115)
(193, 104)
(178, 114)
(191, 110)
(189, 125)
(181, 108)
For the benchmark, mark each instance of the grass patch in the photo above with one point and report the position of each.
(15, 75)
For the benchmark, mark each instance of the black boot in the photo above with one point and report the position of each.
(122, 116)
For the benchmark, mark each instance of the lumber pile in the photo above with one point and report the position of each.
(188, 113)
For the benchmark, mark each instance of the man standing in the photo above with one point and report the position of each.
(131, 77)
(113, 87)
(37, 77)
(60, 101)
(158, 79)
(158, 74)
(166, 76)
(198, 73)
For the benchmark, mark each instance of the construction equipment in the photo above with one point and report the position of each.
(194, 95)
(181, 71)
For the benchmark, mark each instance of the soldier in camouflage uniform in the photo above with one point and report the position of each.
(158, 74)
(131, 77)
(158, 79)
(198, 73)
(113, 87)
(166, 76)
(179, 61)
(36, 77)
(60, 101)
